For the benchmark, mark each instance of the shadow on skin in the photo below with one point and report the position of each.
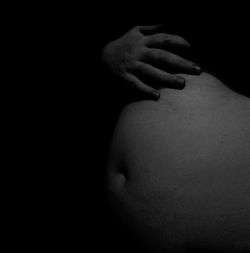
(178, 172)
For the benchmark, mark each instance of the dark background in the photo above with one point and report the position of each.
(219, 38)
(83, 101)
(218, 35)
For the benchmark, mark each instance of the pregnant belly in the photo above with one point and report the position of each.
(185, 177)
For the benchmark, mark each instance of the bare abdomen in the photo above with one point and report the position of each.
(185, 177)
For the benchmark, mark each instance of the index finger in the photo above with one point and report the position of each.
(150, 29)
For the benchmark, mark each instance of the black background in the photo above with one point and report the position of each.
(80, 103)
(219, 38)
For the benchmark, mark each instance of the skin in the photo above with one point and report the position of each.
(179, 169)
(147, 59)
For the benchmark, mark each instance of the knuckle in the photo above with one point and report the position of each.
(136, 30)
(133, 53)
(182, 64)
(132, 83)
(180, 61)
(161, 36)
(132, 66)
(170, 58)
(145, 54)
(142, 52)
(187, 64)
(166, 39)
(143, 68)
(139, 30)
(157, 54)
(138, 27)
(146, 51)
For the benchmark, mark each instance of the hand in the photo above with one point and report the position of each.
(143, 58)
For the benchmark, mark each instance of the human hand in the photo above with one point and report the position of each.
(145, 59)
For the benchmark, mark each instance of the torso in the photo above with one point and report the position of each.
(180, 167)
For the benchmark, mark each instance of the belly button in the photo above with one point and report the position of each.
(123, 170)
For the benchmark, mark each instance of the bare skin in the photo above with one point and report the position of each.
(147, 58)
(179, 169)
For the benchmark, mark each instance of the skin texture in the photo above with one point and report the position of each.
(179, 169)
(147, 58)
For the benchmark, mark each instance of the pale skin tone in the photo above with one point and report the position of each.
(145, 59)
(178, 173)
(178, 167)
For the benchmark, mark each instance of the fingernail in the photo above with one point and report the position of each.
(156, 94)
(181, 81)
(197, 68)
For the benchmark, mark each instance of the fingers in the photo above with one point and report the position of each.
(162, 40)
(170, 62)
(156, 77)
(150, 29)
(138, 84)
